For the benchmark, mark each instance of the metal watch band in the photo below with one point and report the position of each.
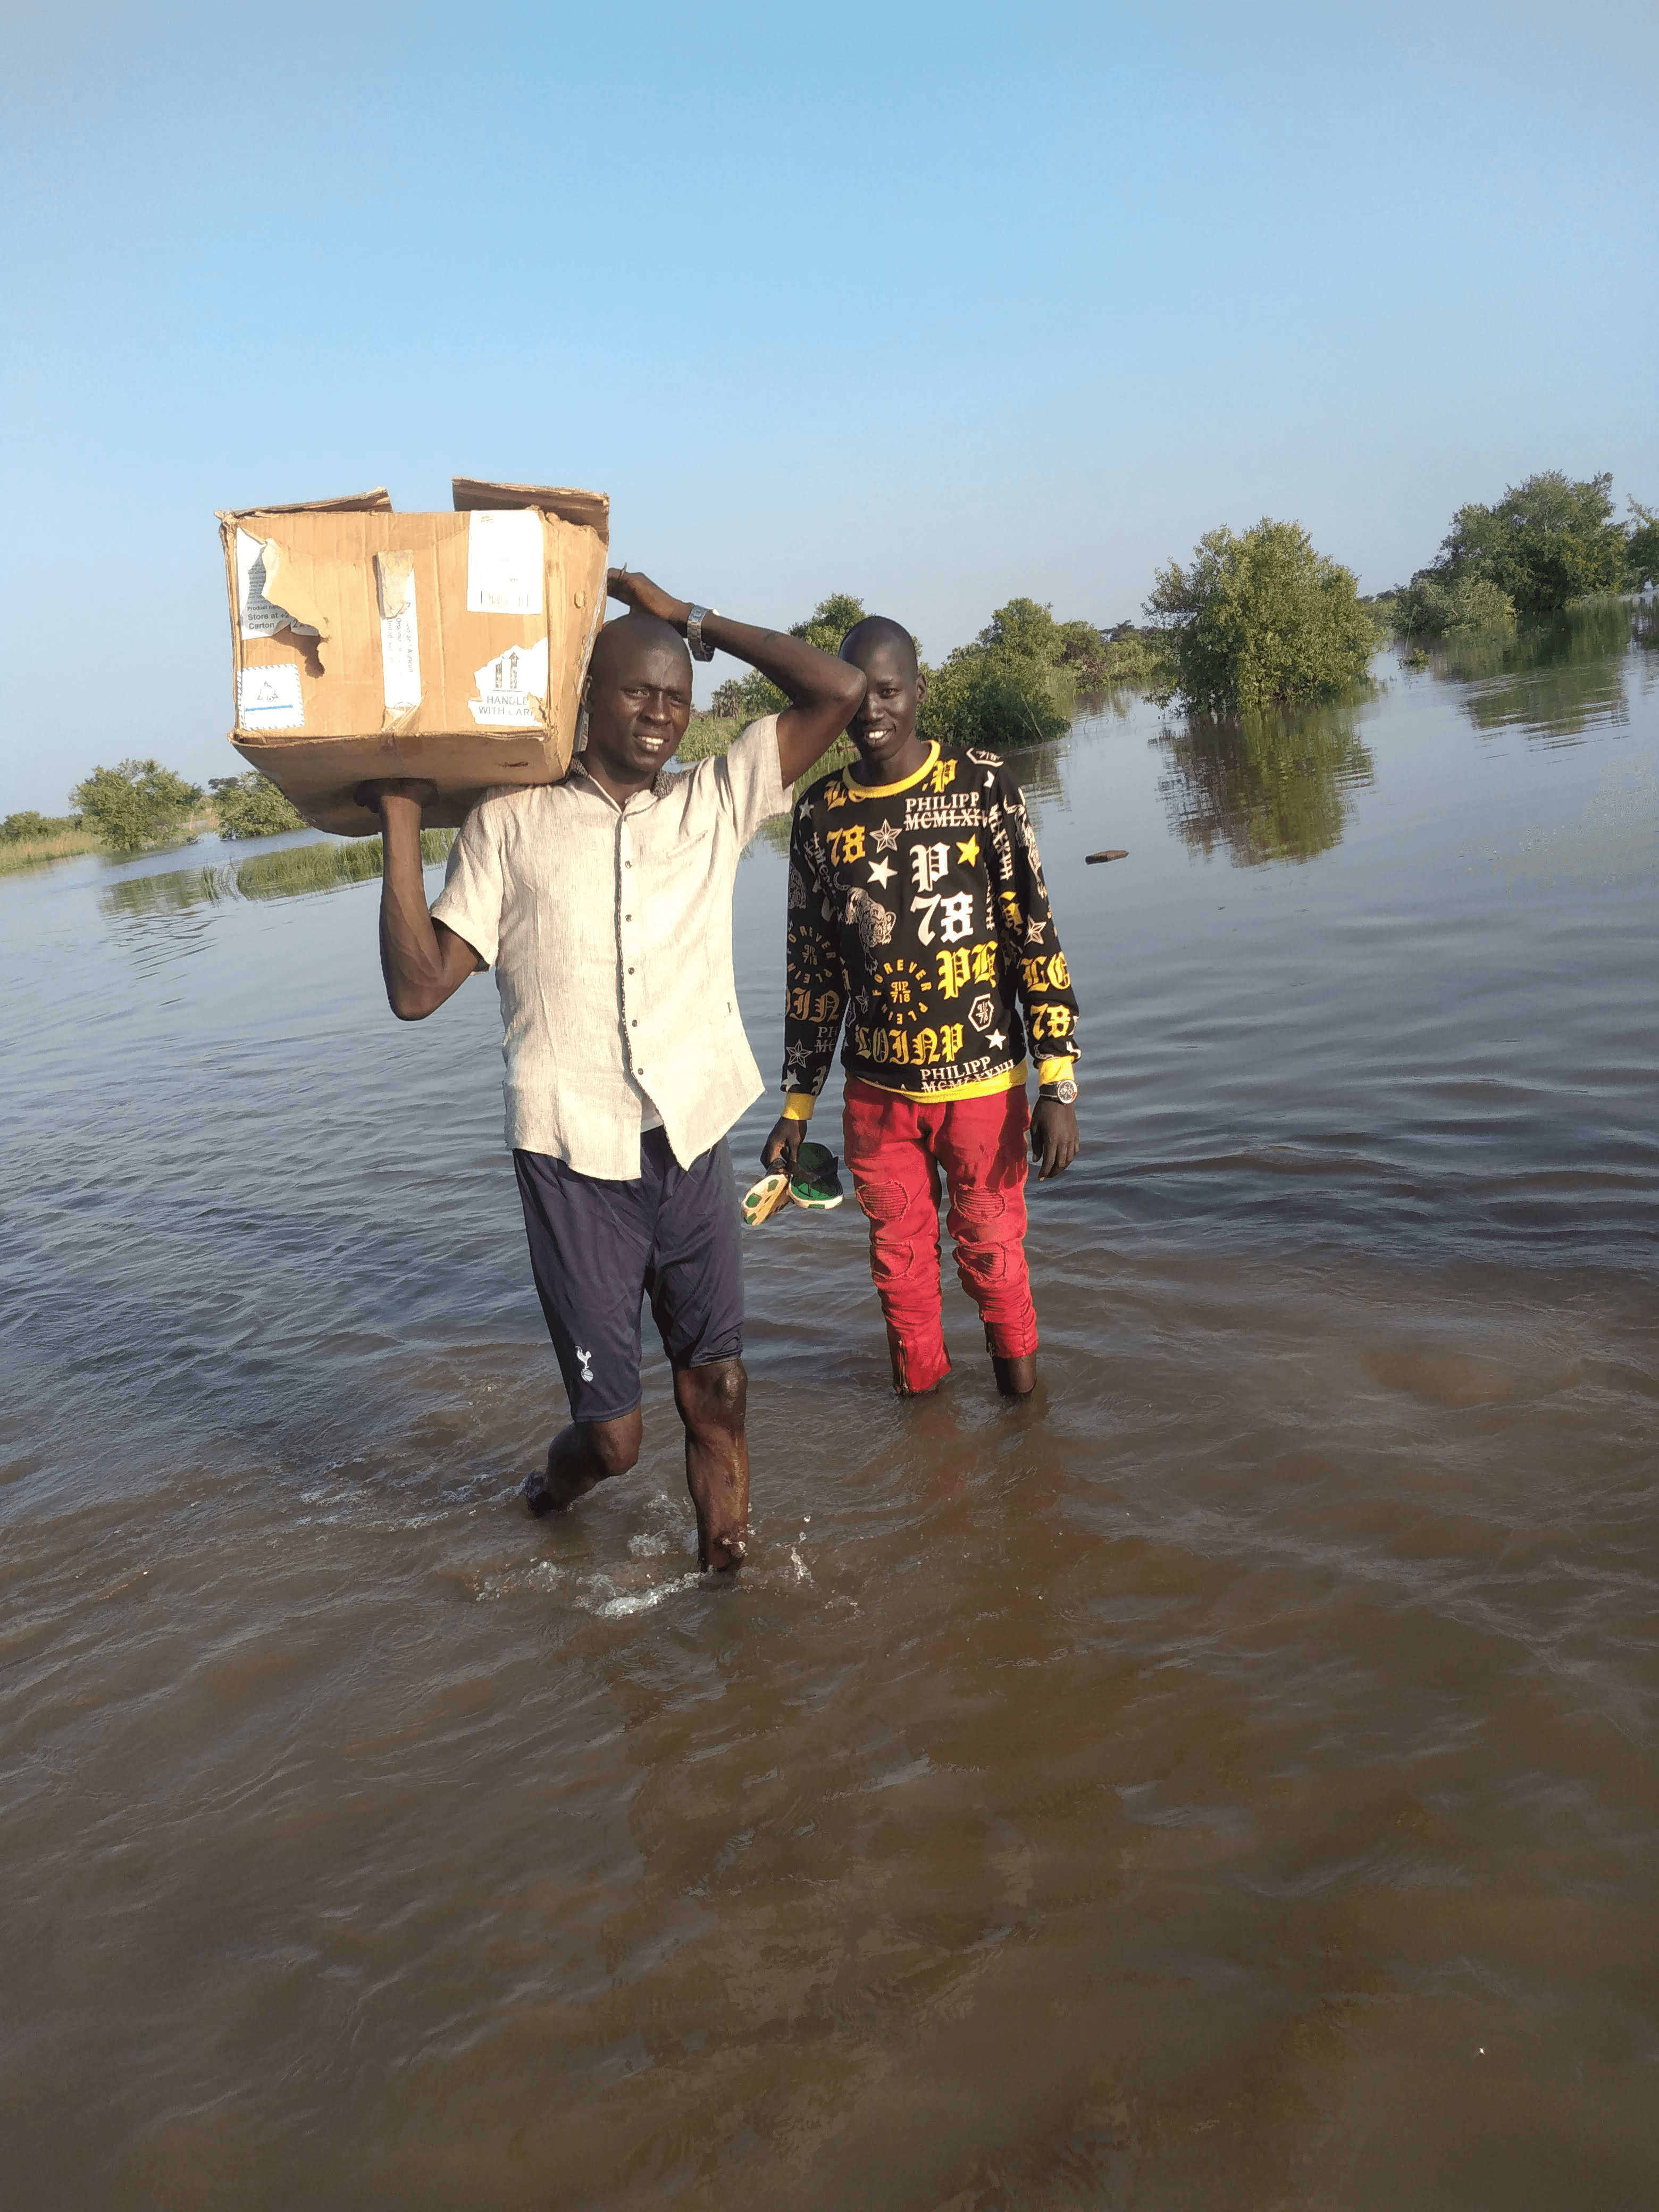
(701, 649)
(1064, 1091)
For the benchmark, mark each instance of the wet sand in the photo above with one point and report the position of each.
(1225, 1782)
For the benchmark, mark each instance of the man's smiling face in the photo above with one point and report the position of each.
(885, 727)
(638, 699)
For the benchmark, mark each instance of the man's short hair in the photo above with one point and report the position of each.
(635, 631)
(878, 630)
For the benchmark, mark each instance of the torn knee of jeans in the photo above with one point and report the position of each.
(882, 1201)
(979, 1209)
(891, 1262)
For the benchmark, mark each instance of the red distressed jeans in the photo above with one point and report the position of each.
(896, 1148)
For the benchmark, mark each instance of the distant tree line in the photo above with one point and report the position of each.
(1258, 621)
(138, 802)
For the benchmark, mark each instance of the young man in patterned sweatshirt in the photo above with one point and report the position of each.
(919, 917)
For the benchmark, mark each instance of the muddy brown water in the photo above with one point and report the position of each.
(1227, 1781)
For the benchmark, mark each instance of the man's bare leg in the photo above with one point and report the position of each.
(582, 1455)
(713, 1402)
(1016, 1378)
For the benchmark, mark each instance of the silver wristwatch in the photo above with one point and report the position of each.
(701, 649)
(1064, 1091)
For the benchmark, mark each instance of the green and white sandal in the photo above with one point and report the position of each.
(816, 1183)
(764, 1199)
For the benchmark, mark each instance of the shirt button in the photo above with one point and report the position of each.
(628, 917)
(627, 864)
(633, 1025)
(631, 972)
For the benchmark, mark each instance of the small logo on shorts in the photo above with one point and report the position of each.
(586, 1358)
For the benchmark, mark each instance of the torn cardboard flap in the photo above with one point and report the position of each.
(588, 510)
(284, 589)
(378, 501)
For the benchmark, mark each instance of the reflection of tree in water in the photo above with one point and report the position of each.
(1272, 787)
(1554, 679)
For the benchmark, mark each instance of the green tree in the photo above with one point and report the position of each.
(1547, 541)
(136, 804)
(1261, 620)
(17, 827)
(1643, 529)
(250, 805)
(1005, 690)
(999, 701)
(1433, 606)
(742, 698)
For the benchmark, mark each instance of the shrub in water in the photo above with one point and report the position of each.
(250, 805)
(1441, 606)
(138, 802)
(1261, 620)
(1546, 542)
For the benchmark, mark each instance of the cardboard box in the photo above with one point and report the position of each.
(453, 647)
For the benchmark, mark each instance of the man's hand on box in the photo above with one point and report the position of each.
(646, 598)
(415, 788)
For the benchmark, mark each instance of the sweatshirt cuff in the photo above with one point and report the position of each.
(1048, 1071)
(797, 1105)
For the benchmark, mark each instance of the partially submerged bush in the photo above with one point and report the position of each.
(1261, 620)
(1433, 606)
(136, 804)
(1547, 541)
(250, 805)
(1001, 702)
(743, 698)
(1015, 685)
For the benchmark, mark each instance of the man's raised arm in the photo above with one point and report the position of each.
(826, 693)
(423, 962)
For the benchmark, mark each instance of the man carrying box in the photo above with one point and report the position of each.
(918, 915)
(604, 903)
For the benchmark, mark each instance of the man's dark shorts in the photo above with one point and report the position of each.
(600, 1248)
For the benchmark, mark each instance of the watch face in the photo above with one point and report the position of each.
(1065, 1092)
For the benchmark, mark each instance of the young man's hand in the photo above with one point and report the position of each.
(646, 598)
(1054, 1137)
(782, 1148)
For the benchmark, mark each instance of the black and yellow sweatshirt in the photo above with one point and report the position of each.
(918, 915)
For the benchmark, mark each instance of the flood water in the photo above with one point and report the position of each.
(1227, 1781)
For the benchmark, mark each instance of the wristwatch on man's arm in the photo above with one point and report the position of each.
(1054, 1081)
(701, 648)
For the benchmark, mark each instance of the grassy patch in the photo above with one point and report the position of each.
(34, 851)
(303, 868)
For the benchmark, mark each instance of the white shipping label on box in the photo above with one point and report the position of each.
(269, 698)
(505, 558)
(400, 640)
(511, 687)
(258, 616)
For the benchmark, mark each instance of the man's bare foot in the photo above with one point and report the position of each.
(582, 1456)
(1016, 1378)
(723, 1555)
(555, 1491)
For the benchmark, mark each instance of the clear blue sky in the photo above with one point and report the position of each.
(935, 304)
